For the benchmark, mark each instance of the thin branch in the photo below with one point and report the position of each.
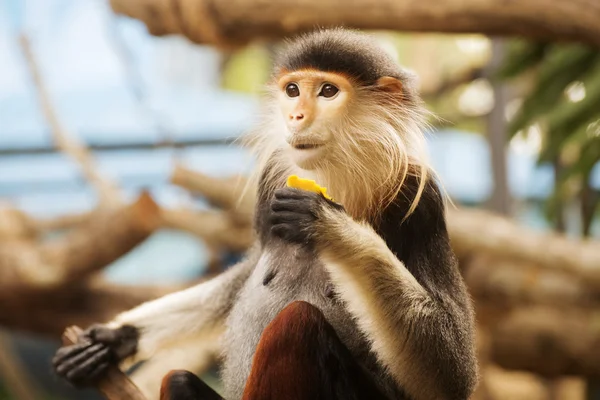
(108, 192)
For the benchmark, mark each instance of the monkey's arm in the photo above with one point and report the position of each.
(136, 334)
(424, 338)
(185, 314)
(420, 329)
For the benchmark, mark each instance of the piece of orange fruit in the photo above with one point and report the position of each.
(307, 184)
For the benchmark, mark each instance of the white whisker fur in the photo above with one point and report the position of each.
(378, 143)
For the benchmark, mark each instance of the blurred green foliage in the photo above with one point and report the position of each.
(563, 101)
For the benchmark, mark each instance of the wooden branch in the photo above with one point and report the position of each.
(108, 192)
(506, 283)
(82, 252)
(549, 342)
(47, 311)
(236, 22)
(482, 231)
(62, 222)
(225, 193)
(214, 227)
(115, 385)
(14, 224)
(103, 239)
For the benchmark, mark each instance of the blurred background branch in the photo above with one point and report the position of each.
(237, 22)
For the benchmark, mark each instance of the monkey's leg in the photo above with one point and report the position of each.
(300, 357)
(183, 385)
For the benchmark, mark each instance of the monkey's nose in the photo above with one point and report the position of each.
(296, 116)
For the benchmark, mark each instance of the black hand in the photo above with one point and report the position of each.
(296, 214)
(82, 364)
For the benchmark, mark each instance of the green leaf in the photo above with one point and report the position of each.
(571, 118)
(521, 56)
(564, 65)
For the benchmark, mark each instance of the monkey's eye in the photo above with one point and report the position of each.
(292, 90)
(328, 90)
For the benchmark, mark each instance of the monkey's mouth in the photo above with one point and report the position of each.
(306, 146)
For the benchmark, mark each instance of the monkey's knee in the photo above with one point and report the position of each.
(183, 385)
(283, 366)
(291, 341)
(297, 322)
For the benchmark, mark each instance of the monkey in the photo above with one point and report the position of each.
(354, 298)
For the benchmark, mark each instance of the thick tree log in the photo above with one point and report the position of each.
(49, 311)
(236, 22)
(548, 341)
(506, 283)
(481, 231)
(103, 239)
(84, 251)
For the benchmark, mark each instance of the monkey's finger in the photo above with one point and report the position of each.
(70, 363)
(68, 352)
(291, 205)
(282, 217)
(281, 230)
(293, 193)
(290, 233)
(84, 370)
(98, 370)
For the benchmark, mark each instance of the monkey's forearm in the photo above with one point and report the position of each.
(185, 314)
(413, 334)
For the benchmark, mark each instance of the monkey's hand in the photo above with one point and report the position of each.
(83, 363)
(298, 216)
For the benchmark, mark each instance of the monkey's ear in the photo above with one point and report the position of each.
(389, 84)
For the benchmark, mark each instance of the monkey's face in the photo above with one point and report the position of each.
(313, 104)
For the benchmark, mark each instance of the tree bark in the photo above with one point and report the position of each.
(236, 22)
(214, 227)
(225, 193)
(82, 252)
(506, 283)
(49, 311)
(475, 231)
(549, 342)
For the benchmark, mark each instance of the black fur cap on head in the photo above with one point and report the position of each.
(344, 51)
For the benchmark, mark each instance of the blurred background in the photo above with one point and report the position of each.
(119, 173)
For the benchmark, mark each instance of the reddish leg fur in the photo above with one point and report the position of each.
(299, 357)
